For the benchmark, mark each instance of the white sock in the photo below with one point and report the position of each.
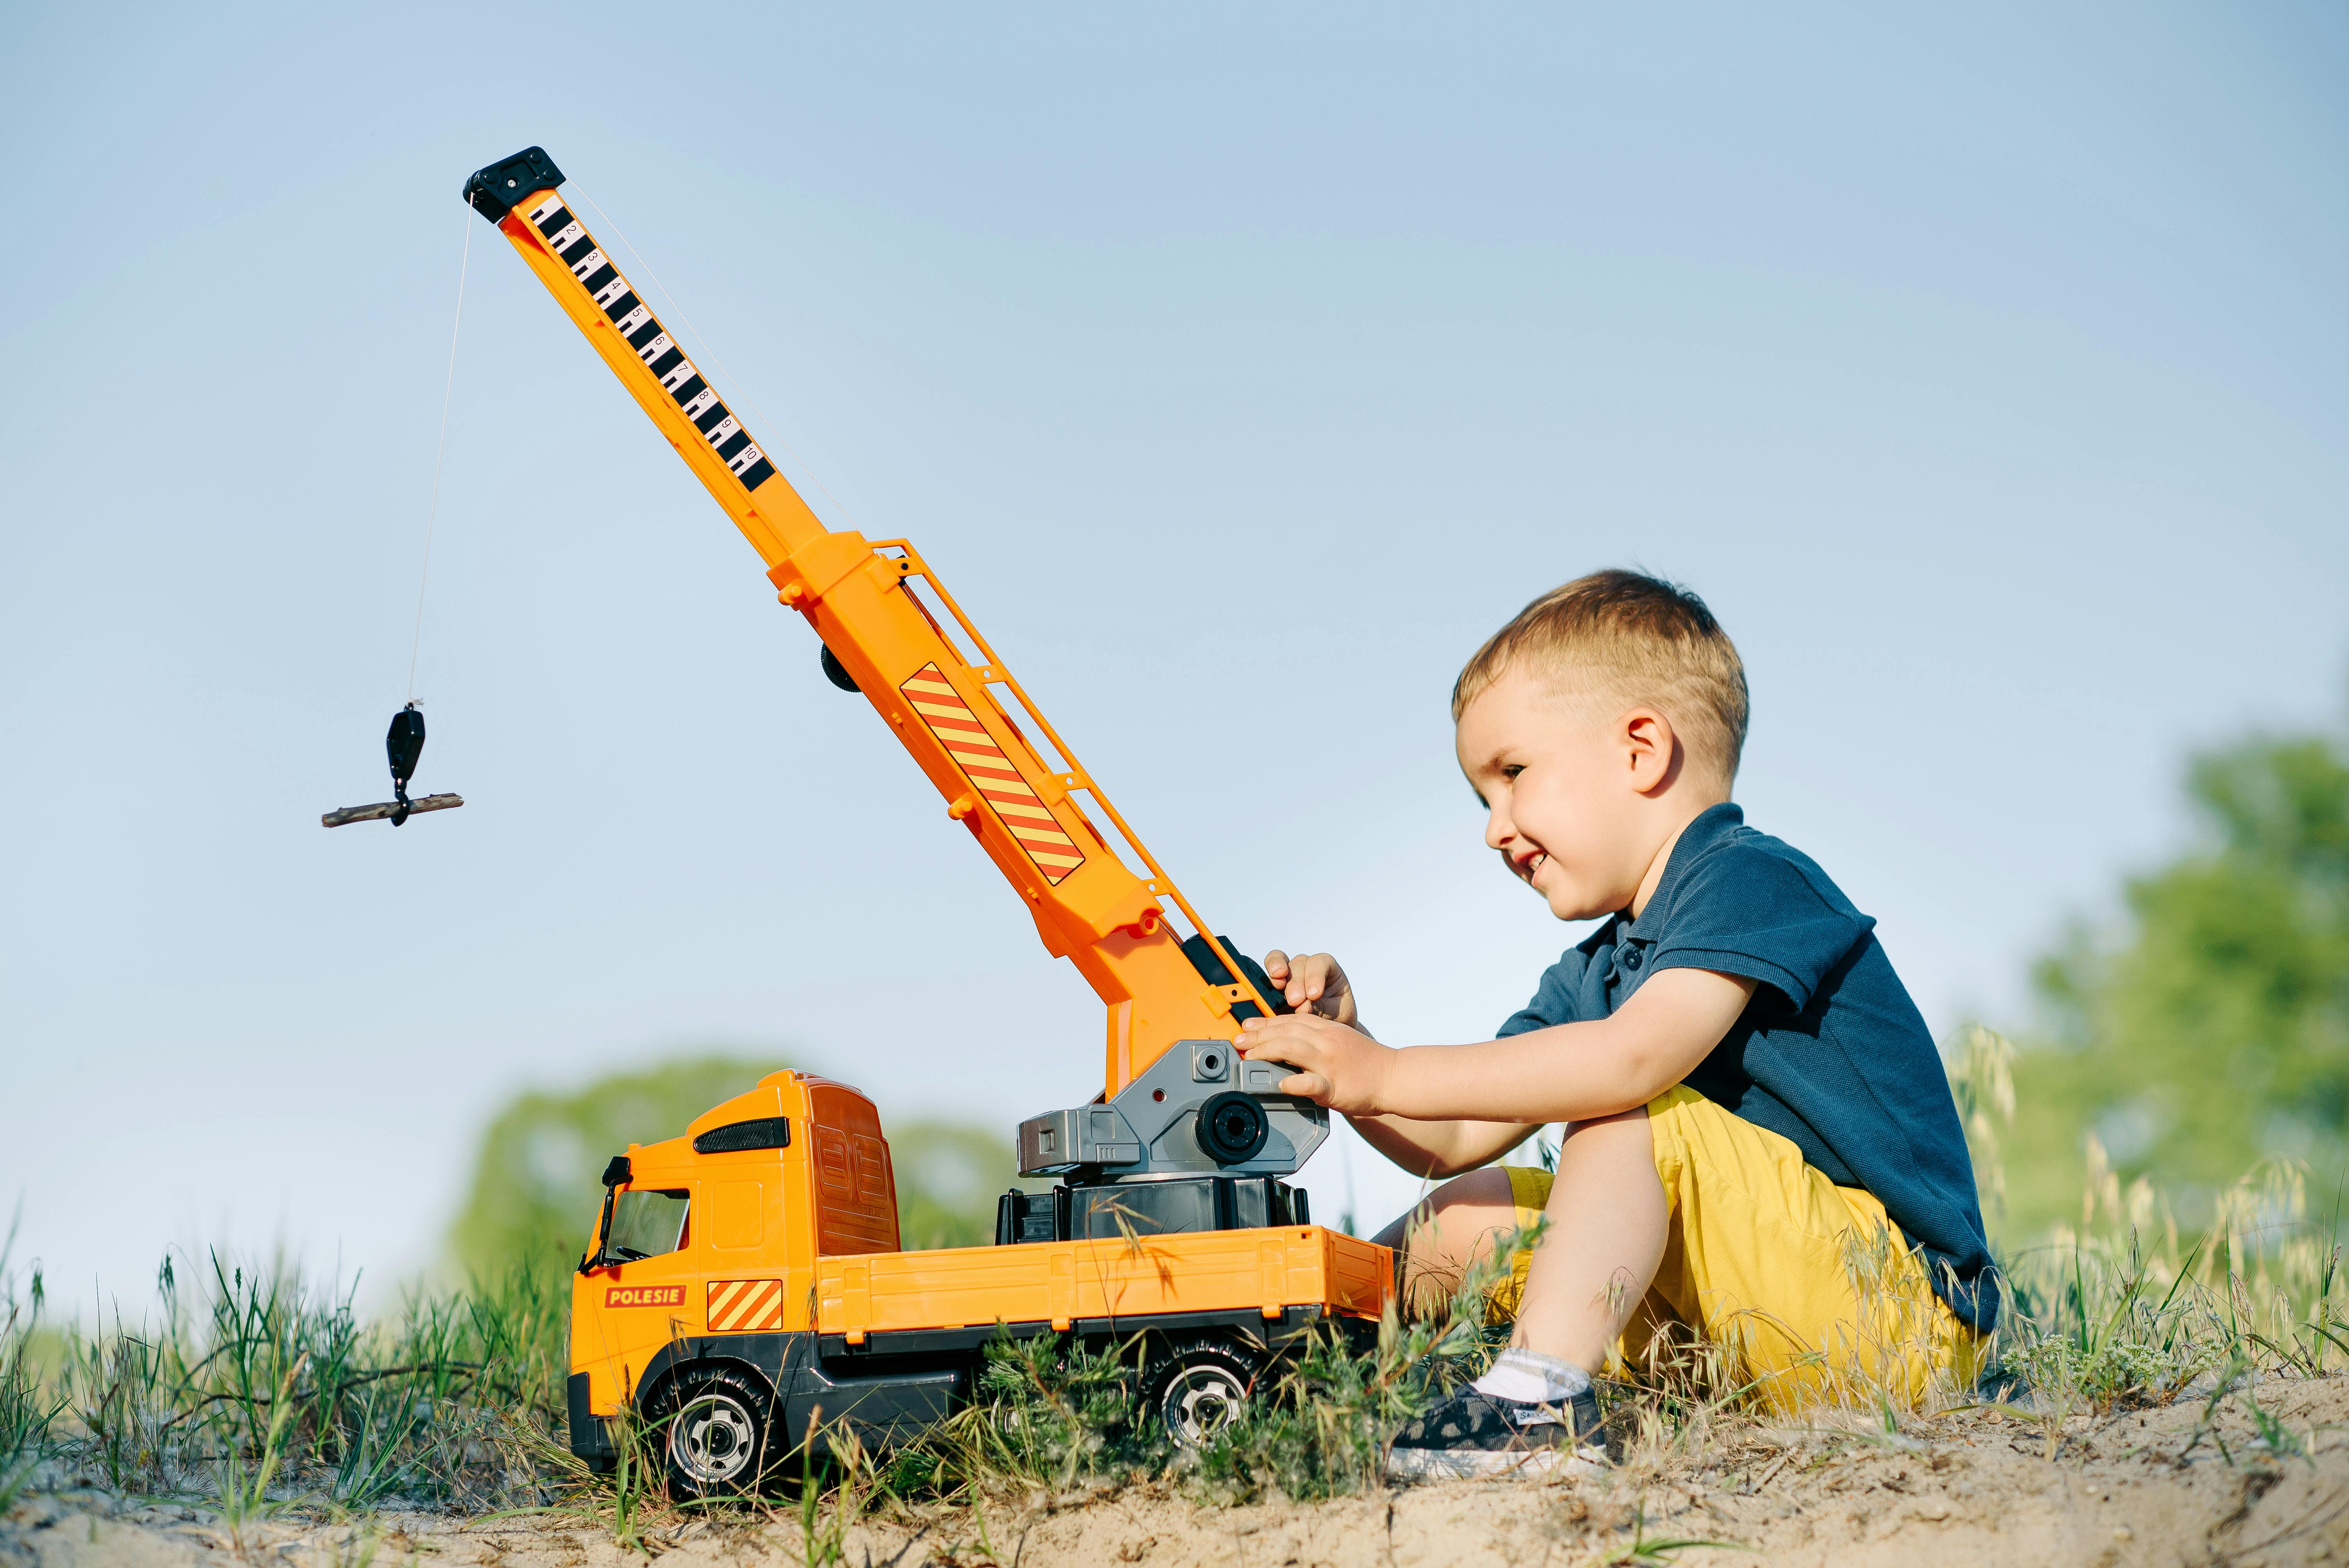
(1532, 1378)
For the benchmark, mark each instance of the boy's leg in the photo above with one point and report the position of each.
(1534, 1410)
(1606, 1235)
(1808, 1289)
(1448, 1232)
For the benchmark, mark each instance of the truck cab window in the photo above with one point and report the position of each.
(646, 1224)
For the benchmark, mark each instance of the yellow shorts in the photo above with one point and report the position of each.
(1803, 1290)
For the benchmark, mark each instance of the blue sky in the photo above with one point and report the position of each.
(1984, 370)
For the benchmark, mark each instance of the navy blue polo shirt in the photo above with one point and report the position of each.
(1830, 1052)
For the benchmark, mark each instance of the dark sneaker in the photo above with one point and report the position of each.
(1473, 1434)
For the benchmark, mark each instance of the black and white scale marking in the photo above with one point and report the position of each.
(634, 320)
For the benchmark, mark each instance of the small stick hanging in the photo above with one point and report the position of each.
(389, 808)
(404, 744)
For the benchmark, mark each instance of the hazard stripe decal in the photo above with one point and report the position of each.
(568, 238)
(1000, 782)
(745, 1305)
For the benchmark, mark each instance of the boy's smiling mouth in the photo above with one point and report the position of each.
(1533, 861)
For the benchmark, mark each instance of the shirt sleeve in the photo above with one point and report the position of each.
(1559, 998)
(1553, 999)
(1746, 910)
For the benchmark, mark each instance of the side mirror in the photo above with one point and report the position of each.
(616, 1176)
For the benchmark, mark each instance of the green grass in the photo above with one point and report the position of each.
(252, 1390)
(2124, 1309)
(28, 1406)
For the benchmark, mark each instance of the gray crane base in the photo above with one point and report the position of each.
(1152, 1128)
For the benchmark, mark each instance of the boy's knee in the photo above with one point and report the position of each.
(1624, 1130)
(1452, 1216)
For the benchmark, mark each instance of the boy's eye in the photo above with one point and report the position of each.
(1511, 771)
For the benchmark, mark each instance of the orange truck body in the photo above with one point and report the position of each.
(787, 1272)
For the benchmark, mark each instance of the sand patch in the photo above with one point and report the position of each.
(2158, 1487)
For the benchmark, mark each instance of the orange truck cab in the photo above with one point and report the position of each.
(747, 1291)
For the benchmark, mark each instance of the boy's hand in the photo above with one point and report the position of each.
(1337, 1065)
(1313, 982)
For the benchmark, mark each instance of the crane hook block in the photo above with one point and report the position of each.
(403, 743)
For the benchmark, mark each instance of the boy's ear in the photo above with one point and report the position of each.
(1652, 751)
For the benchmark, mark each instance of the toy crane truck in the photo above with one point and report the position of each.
(745, 1286)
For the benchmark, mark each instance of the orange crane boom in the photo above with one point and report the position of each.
(943, 699)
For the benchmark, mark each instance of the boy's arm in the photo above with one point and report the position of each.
(1568, 1072)
(1436, 1149)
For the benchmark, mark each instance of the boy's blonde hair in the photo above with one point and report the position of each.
(1634, 639)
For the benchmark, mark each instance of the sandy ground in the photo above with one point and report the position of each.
(2152, 1487)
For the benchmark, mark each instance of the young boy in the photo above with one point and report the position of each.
(1761, 1146)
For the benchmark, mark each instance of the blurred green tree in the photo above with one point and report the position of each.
(2211, 1028)
(534, 1190)
(949, 1177)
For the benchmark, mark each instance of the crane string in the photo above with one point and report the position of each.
(432, 512)
(773, 429)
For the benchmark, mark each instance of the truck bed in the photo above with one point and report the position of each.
(1057, 1283)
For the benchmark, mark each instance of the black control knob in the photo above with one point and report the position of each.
(1232, 1127)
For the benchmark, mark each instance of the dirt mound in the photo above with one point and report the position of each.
(2264, 1485)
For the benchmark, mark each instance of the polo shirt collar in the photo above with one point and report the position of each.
(1708, 828)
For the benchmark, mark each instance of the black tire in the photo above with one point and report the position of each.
(714, 1434)
(1196, 1390)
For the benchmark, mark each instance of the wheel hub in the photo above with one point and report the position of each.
(1201, 1402)
(712, 1440)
